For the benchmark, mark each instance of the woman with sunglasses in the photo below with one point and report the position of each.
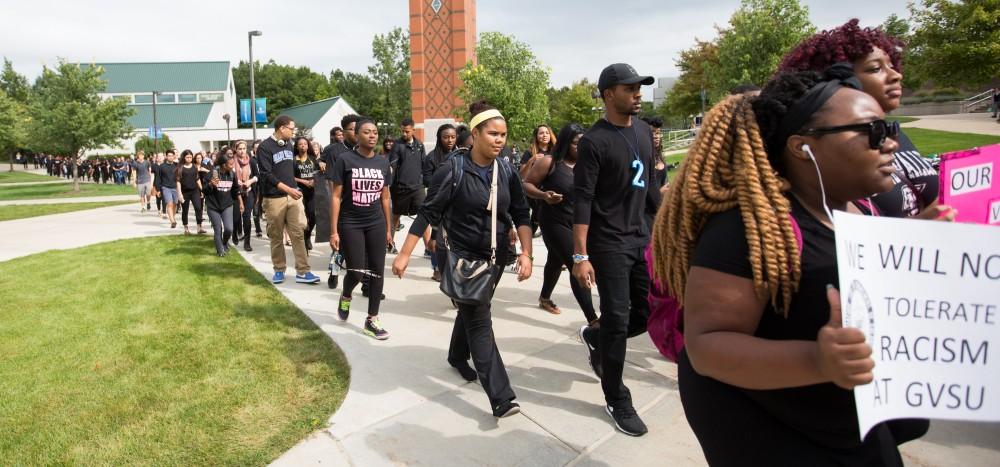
(876, 59)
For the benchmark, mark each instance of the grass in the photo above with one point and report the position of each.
(24, 211)
(62, 190)
(930, 142)
(156, 352)
(6, 176)
(902, 119)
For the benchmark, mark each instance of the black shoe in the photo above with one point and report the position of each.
(373, 328)
(236, 240)
(506, 409)
(246, 245)
(589, 337)
(309, 244)
(343, 308)
(464, 369)
(331, 281)
(259, 235)
(626, 420)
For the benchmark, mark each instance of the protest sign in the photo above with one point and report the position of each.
(927, 296)
(969, 184)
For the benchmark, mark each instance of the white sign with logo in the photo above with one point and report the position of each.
(927, 296)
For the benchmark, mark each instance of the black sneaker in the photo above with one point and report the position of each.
(506, 409)
(246, 245)
(467, 372)
(589, 337)
(373, 328)
(391, 249)
(331, 281)
(626, 420)
(344, 308)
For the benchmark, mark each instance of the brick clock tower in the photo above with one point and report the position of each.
(442, 41)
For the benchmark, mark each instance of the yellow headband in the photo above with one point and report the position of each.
(484, 116)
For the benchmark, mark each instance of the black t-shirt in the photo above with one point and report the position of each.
(559, 180)
(408, 164)
(363, 180)
(189, 178)
(166, 175)
(821, 417)
(306, 169)
(614, 187)
(901, 201)
(329, 156)
(221, 197)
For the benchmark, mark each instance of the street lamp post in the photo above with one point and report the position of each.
(156, 134)
(253, 92)
(229, 141)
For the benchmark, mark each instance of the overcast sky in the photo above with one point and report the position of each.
(576, 38)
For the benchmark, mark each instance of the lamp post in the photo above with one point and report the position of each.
(253, 93)
(156, 134)
(229, 141)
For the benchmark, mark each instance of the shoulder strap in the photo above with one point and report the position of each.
(493, 213)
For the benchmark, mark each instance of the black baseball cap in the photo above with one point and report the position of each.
(620, 73)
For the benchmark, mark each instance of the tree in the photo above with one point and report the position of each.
(12, 126)
(391, 76)
(68, 117)
(956, 43)
(510, 78)
(684, 99)
(13, 83)
(284, 86)
(574, 104)
(760, 32)
(359, 89)
(148, 146)
(896, 27)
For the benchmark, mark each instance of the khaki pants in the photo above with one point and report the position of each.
(286, 213)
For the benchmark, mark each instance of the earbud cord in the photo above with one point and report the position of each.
(819, 177)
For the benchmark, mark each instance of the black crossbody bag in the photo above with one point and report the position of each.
(467, 281)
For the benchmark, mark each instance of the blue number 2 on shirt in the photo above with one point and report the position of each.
(638, 182)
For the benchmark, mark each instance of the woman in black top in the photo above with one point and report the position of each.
(460, 207)
(767, 370)
(221, 192)
(359, 220)
(306, 167)
(446, 138)
(189, 186)
(550, 180)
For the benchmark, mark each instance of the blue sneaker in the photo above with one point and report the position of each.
(307, 278)
(279, 277)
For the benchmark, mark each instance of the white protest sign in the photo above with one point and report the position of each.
(927, 296)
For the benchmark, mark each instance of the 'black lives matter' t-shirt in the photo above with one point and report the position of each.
(906, 199)
(818, 421)
(614, 189)
(363, 179)
(306, 169)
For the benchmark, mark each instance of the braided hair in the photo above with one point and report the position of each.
(729, 166)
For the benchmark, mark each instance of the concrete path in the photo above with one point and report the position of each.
(406, 406)
(83, 199)
(50, 182)
(980, 123)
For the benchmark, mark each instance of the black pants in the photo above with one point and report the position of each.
(257, 208)
(241, 221)
(623, 283)
(191, 197)
(363, 248)
(472, 336)
(309, 203)
(559, 242)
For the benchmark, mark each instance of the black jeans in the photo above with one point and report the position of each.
(472, 336)
(559, 242)
(241, 221)
(309, 203)
(363, 248)
(191, 197)
(623, 284)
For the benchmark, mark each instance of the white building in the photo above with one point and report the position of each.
(663, 86)
(318, 117)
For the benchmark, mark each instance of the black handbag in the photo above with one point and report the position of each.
(471, 282)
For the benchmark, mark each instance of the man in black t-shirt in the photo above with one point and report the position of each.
(407, 162)
(614, 190)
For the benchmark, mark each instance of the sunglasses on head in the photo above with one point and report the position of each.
(878, 131)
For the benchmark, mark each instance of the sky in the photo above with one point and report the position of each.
(575, 39)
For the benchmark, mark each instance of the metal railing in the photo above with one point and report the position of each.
(977, 100)
(678, 139)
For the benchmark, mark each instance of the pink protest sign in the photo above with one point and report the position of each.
(969, 184)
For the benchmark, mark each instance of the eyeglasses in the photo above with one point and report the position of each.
(878, 131)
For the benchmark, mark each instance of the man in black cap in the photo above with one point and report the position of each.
(614, 193)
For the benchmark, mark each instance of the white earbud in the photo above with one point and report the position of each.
(819, 178)
(808, 150)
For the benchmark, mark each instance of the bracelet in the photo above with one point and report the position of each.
(577, 259)
(532, 258)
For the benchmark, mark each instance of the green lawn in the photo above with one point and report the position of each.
(902, 119)
(930, 142)
(24, 211)
(10, 177)
(156, 352)
(63, 191)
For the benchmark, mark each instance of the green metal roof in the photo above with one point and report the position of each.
(171, 115)
(166, 77)
(307, 115)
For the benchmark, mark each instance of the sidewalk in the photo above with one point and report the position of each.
(980, 123)
(85, 199)
(406, 406)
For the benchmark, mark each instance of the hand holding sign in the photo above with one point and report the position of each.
(844, 357)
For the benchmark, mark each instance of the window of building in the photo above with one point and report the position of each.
(187, 98)
(166, 98)
(211, 97)
(144, 99)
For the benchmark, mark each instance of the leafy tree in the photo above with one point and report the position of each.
(760, 32)
(12, 126)
(284, 86)
(146, 144)
(896, 26)
(510, 78)
(13, 83)
(695, 65)
(68, 117)
(359, 89)
(391, 76)
(956, 43)
(574, 104)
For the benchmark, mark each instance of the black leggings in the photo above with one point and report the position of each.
(241, 221)
(191, 196)
(559, 241)
(363, 248)
(308, 202)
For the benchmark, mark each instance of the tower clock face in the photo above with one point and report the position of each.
(858, 312)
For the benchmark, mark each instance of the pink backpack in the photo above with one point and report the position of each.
(666, 315)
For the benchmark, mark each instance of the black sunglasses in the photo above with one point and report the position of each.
(878, 131)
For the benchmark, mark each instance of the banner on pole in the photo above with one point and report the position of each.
(246, 109)
(969, 184)
(926, 295)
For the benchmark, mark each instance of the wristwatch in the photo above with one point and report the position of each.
(577, 259)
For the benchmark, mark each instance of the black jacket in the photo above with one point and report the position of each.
(463, 208)
(431, 164)
(407, 162)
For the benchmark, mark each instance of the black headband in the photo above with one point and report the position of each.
(838, 75)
